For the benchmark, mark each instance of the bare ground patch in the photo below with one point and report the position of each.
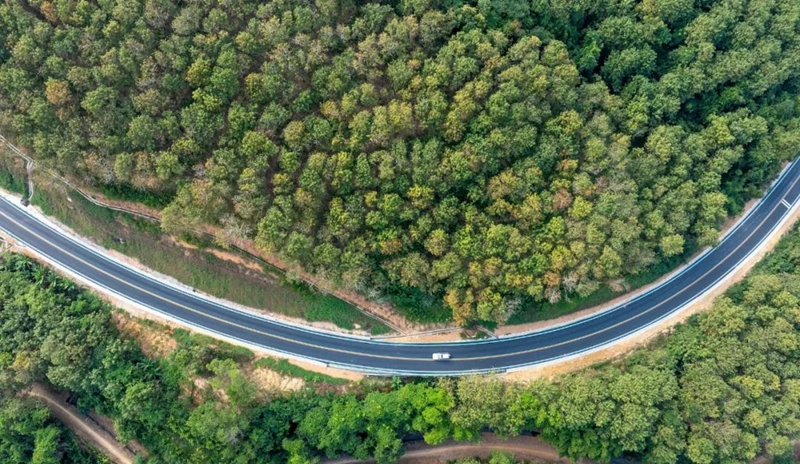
(85, 429)
(153, 341)
(523, 447)
(271, 381)
(451, 336)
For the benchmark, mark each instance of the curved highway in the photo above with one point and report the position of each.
(381, 357)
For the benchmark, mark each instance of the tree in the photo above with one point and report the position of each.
(45, 449)
(611, 137)
(57, 92)
(672, 245)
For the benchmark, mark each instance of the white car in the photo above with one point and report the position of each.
(441, 356)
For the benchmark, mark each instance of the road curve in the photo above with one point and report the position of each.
(387, 358)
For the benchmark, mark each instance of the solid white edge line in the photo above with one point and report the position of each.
(169, 282)
(98, 251)
(379, 372)
(676, 311)
(667, 278)
(666, 316)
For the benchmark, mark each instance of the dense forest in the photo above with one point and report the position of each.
(722, 388)
(30, 435)
(487, 153)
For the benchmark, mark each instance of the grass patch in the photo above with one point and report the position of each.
(144, 241)
(323, 307)
(417, 306)
(12, 172)
(220, 349)
(283, 366)
(155, 200)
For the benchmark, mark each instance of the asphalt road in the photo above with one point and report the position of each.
(383, 357)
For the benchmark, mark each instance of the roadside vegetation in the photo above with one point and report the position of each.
(493, 155)
(12, 172)
(192, 261)
(722, 388)
(285, 367)
(224, 280)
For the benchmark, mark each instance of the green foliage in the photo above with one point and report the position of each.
(221, 349)
(417, 306)
(50, 330)
(603, 294)
(156, 200)
(198, 268)
(28, 434)
(12, 173)
(718, 389)
(722, 388)
(484, 153)
(495, 457)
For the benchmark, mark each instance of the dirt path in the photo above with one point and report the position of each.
(523, 447)
(88, 431)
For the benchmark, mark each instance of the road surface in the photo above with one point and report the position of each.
(388, 358)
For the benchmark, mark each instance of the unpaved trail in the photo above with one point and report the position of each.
(523, 447)
(82, 427)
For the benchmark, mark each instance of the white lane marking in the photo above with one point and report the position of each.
(786, 203)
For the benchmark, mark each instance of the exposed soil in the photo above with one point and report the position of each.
(225, 255)
(452, 336)
(138, 312)
(271, 381)
(154, 341)
(523, 447)
(127, 205)
(382, 311)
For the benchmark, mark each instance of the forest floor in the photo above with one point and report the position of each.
(523, 447)
(85, 429)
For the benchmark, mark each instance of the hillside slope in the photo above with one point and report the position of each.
(487, 155)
